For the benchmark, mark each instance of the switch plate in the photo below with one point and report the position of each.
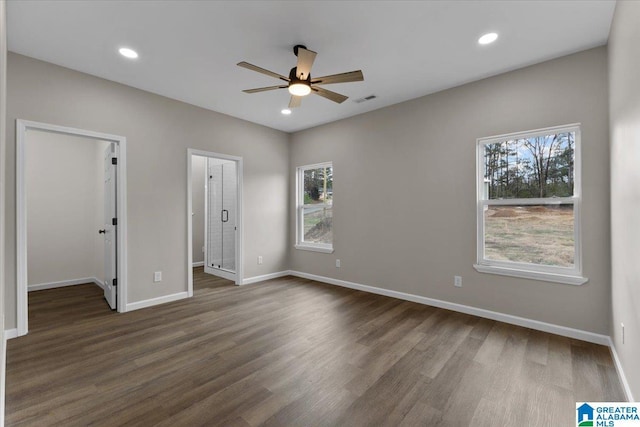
(157, 276)
(457, 281)
(260, 259)
(337, 263)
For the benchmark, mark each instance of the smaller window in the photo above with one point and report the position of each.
(314, 207)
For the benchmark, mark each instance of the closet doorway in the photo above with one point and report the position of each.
(214, 215)
(76, 218)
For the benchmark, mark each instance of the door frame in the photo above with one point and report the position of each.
(22, 126)
(239, 235)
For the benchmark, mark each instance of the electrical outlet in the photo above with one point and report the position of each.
(337, 263)
(622, 325)
(260, 259)
(457, 281)
(157, 276)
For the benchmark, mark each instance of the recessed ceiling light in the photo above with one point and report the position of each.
(128, 53)
(488, 38)
(286, 111)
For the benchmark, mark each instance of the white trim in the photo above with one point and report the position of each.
(530, 133)
(240, 228)
(198, 264)
(156, 301)
(10, 334)
(308, 247)
(620, 371)
(64, 283)
(534, 275)
(220, 272)
(3, 366)
(98, 282)
(569, 275)
(553, 201)
(21, 212)
(262, 278)
(480, 312)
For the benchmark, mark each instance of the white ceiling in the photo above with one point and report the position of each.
(189, 49)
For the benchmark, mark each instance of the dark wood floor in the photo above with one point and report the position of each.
(291, 352)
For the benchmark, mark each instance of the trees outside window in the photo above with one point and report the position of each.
(529, 204)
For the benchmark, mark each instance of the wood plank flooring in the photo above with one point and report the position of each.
(290, 352)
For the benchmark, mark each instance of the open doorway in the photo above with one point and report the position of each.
(214, 218)
(71, 222)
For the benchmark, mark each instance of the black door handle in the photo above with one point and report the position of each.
(102, 231)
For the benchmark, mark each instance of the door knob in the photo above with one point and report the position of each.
(102, 231)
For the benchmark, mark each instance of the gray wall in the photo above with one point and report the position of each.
(158, 131)
(404, 190)
(64, 178)
(624, 101)
(198, 168)
(3, 160)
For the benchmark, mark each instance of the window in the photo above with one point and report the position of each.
(528, 187)
(314, 201)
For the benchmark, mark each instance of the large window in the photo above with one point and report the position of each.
(528, 187)
(314, 185)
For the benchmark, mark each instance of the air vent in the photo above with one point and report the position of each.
(366, 98)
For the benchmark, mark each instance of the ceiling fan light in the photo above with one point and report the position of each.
(299, 89)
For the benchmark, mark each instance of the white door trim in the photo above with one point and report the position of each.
(22, 126)
(239, 235)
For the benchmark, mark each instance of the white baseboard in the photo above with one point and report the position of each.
(11, 333)
(98, 282)
(198, 264)
(220, 273)
(480, 312)
(156, 301)
(3, 368)
(621, 375)
(63, 283)
(262, 278)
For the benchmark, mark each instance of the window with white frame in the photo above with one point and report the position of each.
(314, 194)
(528, 207)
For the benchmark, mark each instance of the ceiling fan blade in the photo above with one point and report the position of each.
(252, 67)
(305, 61)
(335, 97)
(351, 76)
(264, 89)
(295, 101)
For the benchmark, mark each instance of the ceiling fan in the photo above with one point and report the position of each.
(300, 82)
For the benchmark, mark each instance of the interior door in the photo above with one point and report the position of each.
(228, 215)
(110, 224)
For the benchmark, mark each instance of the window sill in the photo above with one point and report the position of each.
(534, 275)
(325, 250)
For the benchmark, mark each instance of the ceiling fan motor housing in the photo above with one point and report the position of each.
(293, 76)
(295, 48)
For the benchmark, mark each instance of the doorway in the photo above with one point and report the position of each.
(217, 198)
(71, 226)
(220, 219)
